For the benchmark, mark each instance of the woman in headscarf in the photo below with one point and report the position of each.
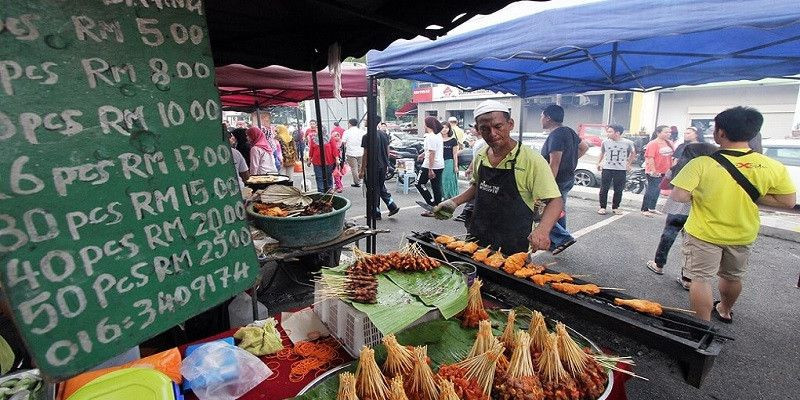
(262, 160)
(288, 150)
(314, 154)
(242, 143)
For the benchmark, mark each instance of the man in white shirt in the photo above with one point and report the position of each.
(353, 152)
(242, 170)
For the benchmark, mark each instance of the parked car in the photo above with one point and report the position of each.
(586, 173)
(787, 151)
(592, 133)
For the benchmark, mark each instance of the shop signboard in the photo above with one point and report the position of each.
(120, 212)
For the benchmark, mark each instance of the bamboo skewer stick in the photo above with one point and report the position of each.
(679, 309)
(613, 288)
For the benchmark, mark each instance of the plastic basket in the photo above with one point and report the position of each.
(353, 328)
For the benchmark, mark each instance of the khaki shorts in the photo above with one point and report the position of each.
(703, 260)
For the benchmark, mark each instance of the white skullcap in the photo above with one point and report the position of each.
(452, 119)
(488, 106)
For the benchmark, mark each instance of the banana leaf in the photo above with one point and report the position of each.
(443, 288)
(395, 309)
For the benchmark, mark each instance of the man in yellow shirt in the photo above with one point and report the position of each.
(724, 220)
(509, 180)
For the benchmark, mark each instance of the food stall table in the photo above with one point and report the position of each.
(278, 385)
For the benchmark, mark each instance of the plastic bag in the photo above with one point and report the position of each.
(220, 371)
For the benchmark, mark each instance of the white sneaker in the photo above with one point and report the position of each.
(602, 211)
(616, 211)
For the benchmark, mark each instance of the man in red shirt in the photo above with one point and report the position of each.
(657, 161)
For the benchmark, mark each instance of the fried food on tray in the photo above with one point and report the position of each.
(642, 306)
(482, 254)
(571, 288)
(270, 210)
(495, 260)
(455, 244)
(543, 279)
(468, 248)
(514, 262)
(444, 239)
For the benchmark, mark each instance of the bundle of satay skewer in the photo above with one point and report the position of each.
(542, 365)
(517, 265)
(352, 287)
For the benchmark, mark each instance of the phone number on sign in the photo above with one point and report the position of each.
(63, 351)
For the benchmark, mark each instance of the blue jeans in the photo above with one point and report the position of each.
(651, 193)
(674, 224)
(559, 234)
(328, 176)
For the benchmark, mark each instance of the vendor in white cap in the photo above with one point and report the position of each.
(509, 182)
(453, 122)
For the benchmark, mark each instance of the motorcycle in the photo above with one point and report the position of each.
(398, 153)
(636, 181)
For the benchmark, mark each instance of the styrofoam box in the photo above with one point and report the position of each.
(353, 328)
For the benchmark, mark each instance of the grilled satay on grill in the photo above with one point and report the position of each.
(468, 248)
(529, 270)
(444, 239)
(495, 260)
(482, 254)
(543, 279)
(573, 289)
(455, 244)
(642, 306)
(514, 262)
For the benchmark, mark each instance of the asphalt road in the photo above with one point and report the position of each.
(762, 363)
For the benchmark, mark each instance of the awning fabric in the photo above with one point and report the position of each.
(298, 33)
(621, 44)
(406, 109)
(243, 88)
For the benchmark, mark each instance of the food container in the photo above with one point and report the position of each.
(258, 182)
(303, 231)
(467, 269)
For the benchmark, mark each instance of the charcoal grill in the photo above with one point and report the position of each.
(693, 342)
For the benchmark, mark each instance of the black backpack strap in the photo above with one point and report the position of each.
(737, 175)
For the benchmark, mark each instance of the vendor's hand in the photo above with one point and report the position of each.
(431, 174)
(599, 167)
(540, 240)
(445, 209)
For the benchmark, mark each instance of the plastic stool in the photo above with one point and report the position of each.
(403, 180)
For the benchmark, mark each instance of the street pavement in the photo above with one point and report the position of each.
(613, 250)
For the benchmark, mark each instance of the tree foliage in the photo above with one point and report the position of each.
(398, 93)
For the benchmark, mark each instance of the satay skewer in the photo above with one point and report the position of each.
(679, 309)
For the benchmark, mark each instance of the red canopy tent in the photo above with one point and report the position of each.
(243, 88)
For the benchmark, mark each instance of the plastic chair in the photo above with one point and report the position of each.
(404, 180)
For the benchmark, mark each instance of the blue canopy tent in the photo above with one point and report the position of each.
(638, 45)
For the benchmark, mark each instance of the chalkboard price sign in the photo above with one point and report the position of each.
(120, 211)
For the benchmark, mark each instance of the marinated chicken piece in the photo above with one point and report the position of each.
(514, 262)
(455, 244)
(525, 272)
(468, 248)
(496, 260)
(444, 239)
(482, 254)
(642, 306)
(573, 289)
(543, 279)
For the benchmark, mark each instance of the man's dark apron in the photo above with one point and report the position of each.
(501, 218)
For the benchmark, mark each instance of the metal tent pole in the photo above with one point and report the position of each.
(302, 156)
(372, 160)
(522, 107)
(326, 184)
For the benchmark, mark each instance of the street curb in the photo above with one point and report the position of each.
(777, 233)
(631, 200)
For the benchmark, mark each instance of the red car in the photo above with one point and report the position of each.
(592, 133)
